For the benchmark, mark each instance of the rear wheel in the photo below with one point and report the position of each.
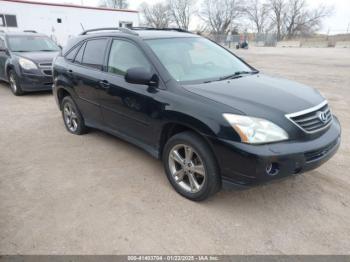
(72, 117)
(14, 83)
(191, 167)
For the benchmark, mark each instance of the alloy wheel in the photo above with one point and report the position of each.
(13, 83)
(70, 117)
(187, 168)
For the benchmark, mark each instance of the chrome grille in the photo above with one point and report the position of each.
(313, 119)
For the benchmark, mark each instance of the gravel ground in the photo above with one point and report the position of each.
(95, 194)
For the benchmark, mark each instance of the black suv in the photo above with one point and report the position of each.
(212, 118)
(26, 61)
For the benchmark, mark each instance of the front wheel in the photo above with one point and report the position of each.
(14, 83)
(191, 166)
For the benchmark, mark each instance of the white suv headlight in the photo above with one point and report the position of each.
(256, 130)
(27, 64)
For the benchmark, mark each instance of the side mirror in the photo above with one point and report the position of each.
(141, 76)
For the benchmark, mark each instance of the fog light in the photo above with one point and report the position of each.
(272, 169)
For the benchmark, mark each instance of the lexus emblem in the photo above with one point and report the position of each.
(322, 116)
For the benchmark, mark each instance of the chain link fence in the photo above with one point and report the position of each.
(232, 41)
(225, 40)
(270, 40)
(265, 39)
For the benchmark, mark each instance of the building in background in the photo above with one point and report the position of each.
(61, 21)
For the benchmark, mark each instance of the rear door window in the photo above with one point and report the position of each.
(94, 53)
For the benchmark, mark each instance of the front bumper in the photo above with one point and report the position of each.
(35, 82)
(246, 165)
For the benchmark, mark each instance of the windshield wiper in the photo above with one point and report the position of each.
(47, 50)
(233, 76)
(237, 74)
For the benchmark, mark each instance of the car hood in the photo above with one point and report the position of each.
(38, 57)
(259, 95)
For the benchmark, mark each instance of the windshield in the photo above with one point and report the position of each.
(196, 59)
(31, 44)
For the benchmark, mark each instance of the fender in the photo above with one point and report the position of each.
(60, 81)
(12, 62)
(8, 65)
(58, 86)
(202, 126)
(179, 121)
(206, 120)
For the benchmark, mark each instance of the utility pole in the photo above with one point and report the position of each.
(348, 28)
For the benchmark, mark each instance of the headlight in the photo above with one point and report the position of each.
(256, 130)
(27, 64)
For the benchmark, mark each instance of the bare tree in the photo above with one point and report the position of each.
(181, 12)
(257, 12)
(293, 17)
(278, 9)
(301, 20)
(156, 15)
(118, 4)
(219, 15)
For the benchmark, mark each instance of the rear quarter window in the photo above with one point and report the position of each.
(71, 54)
(2, 43)
(11, 20)
(2, 20)
(79, 56)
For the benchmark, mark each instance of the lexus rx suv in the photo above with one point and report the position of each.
(26, 61)
(210, 117)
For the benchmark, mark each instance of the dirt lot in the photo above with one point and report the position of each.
(95, 194)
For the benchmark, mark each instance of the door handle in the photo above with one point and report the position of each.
(104, 84)
(70, 71)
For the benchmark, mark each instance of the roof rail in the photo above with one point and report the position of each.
(121, 29)
(30, 31)
(164, 28)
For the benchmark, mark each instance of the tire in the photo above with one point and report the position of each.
(200, 164)
(72, 117)
(14, 83)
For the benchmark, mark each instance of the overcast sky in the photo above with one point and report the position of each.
(339, 22)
